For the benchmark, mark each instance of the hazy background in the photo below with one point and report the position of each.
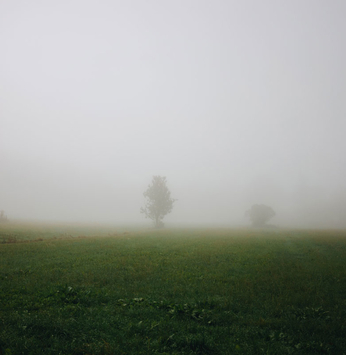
(235, 102)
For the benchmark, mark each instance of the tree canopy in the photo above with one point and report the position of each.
(158, 201)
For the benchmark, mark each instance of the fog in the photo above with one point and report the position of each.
(235, 102)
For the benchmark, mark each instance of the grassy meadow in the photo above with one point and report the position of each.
(101, 290)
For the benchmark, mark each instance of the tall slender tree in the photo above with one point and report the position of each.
(3, 217)
(158, 201)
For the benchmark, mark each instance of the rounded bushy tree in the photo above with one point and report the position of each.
(260, 214)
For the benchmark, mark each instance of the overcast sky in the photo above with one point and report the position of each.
(235, 102)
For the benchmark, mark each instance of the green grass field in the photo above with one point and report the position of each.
(99, 290)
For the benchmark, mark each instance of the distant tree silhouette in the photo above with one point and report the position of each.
(259, 215)
(3, 217)
(159, 202)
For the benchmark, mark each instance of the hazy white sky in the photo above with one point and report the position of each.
(236, 102)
